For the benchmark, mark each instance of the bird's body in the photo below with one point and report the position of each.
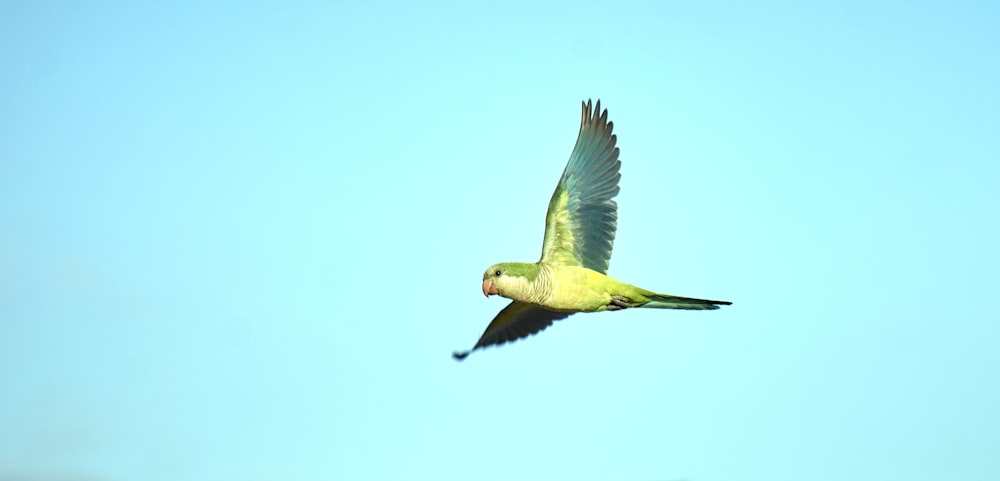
(578, 289)
(579, 233)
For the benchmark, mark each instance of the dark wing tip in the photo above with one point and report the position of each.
(592, 113)
(459, 355)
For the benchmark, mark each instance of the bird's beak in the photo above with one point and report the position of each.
(488, 288)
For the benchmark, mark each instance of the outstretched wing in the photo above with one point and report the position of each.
(517, 320)
(582, 218)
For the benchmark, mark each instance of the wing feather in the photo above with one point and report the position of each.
(517, 320)
(582, 217)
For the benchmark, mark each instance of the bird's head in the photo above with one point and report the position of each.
(493, 278)
(508, 278)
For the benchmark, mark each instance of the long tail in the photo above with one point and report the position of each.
(663, 301)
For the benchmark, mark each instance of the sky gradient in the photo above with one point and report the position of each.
(240, 242)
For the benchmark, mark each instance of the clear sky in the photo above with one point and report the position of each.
(240, 242)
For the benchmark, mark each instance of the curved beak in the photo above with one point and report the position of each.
(488, 288)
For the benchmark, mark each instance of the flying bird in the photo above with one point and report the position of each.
(580, 228)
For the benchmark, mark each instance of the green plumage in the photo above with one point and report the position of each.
(580, 230)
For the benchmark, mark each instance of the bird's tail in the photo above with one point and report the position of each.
(663, 301)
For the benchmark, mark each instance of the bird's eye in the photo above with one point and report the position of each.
(497, 273)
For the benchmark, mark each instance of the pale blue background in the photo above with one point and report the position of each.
(240, 242)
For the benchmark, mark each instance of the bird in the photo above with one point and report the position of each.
(571, 276)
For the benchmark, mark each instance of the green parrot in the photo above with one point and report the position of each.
(579, 233)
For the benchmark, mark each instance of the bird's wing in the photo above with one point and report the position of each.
(582, 218)
(517, 320)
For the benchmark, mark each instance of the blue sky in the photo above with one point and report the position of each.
(240, 242)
